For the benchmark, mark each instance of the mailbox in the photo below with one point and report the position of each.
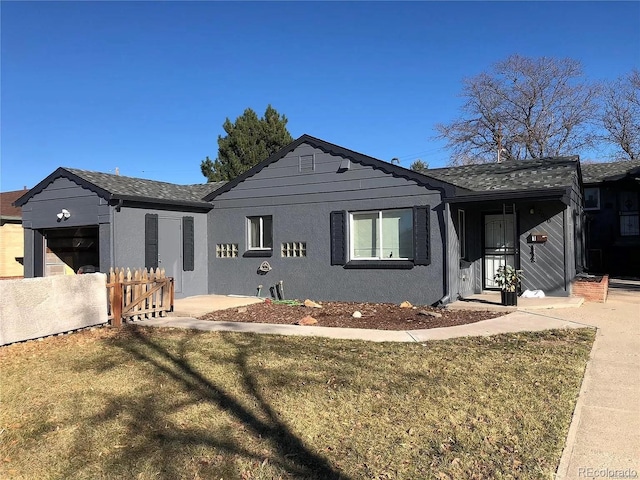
(537, 237)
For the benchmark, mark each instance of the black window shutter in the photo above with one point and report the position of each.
(188, 240)
(421, 235)
(338, 238)
(151, 240)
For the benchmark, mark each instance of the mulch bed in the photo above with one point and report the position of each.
(380, 316)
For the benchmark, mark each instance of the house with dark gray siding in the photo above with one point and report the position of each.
(612, 207)
(116, 221)
(323, 221)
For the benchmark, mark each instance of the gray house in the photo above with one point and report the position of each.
(74, 218)
(327, 222)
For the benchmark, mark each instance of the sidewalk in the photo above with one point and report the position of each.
(604, 437)
(513, 322)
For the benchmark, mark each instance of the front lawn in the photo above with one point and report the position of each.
(162, 403)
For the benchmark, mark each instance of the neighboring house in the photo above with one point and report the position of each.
(612, 199)
(75, 218)
(333, 224)
(11, 236)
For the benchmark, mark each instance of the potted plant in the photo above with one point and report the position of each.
(508, 279)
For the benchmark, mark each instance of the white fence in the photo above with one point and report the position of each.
(37, 307)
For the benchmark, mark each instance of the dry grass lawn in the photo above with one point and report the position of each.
(162, 403)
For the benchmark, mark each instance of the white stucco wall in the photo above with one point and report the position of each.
(36, 307)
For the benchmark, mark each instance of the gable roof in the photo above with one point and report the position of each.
(386, 167)
(119, 187)
(514, 175)
(610, 171)
(7, 210)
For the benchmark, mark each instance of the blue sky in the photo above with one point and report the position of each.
(146, 86)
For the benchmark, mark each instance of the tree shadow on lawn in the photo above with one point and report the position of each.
(157, 441)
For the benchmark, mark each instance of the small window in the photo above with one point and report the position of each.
(382, 235)
(294, 249)
(227, 250)
(260, 230)
(592, 198)
(462, 233)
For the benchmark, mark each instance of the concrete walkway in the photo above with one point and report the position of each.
(199, 305)
(491, 301)
(604, 437)
(512, 322)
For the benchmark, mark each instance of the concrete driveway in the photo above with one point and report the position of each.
(199, 305)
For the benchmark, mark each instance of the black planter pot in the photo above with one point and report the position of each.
(509, 298)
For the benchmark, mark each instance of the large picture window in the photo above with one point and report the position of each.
(382, 235)
(260, 233)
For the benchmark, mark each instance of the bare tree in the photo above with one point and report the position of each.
(523, 108)
(621, 115)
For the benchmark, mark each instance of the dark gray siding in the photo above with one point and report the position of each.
(300, 204)
(545, 270)
(86, 208)
(129, 245)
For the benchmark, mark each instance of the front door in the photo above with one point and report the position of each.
(170, 249)
(499, 248)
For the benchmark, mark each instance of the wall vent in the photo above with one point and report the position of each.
(306, 163)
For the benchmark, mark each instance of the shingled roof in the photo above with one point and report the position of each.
(552, 172)
(116, 187)
(611, 171)
(7, 210)
(120, 185)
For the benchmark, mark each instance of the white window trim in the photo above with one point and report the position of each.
(261, 236)
(380, 247)
(462, 233)
(597, 207)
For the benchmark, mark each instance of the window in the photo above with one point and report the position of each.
(260, 233)
(376, 233)
(462, 233)
(382, 235)
(227, 250)
(592, 198)
(294, 249)
(629, 214)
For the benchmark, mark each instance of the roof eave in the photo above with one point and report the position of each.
(134, 199)
(538, 194)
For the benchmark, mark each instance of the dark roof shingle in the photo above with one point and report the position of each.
(119, 185)
(610, 171)
(6, 199)
(552, 172)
